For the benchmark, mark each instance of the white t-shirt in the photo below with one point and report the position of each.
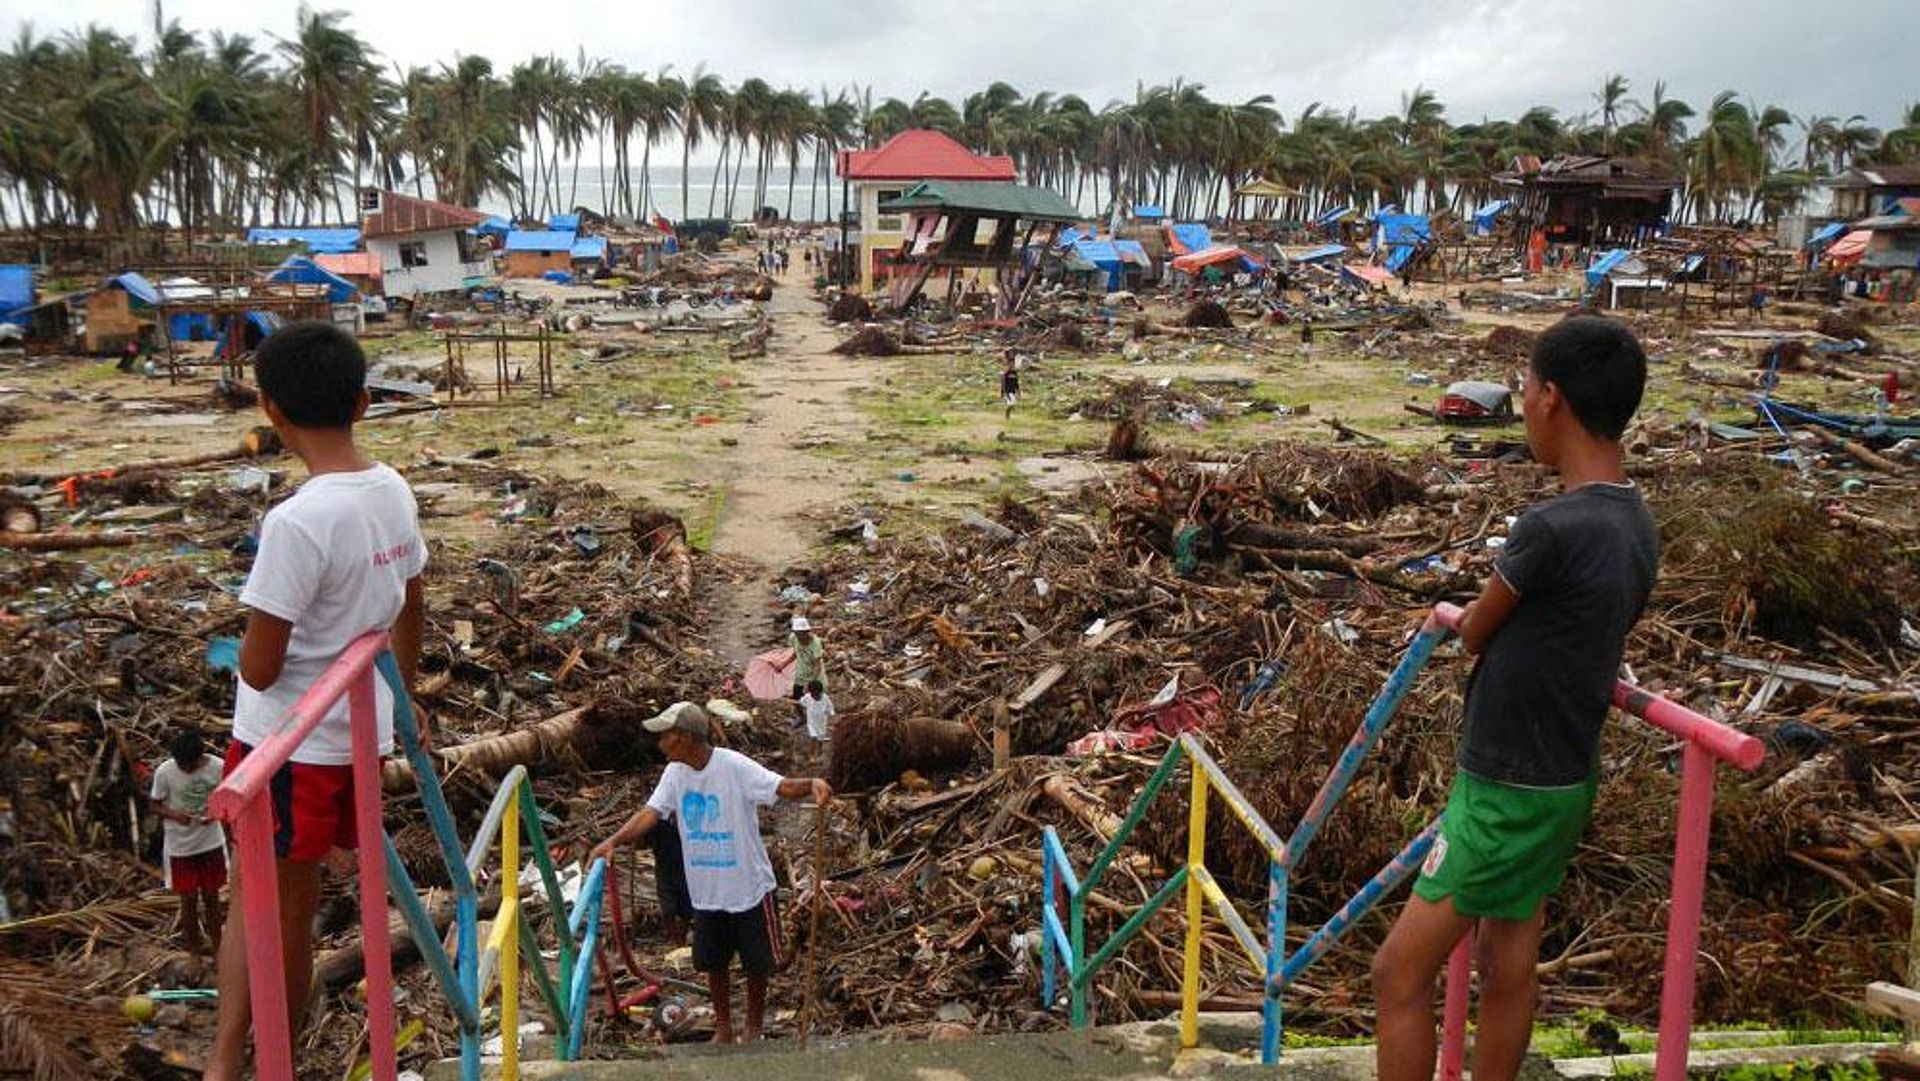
(178, 790)
(334, 561)
(819, 714)
(716, 810)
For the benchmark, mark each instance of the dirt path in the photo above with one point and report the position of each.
(799, 392)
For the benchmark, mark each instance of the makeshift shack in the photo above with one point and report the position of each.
(956, 224)
(532, 253)
(121, 310)
(588, 255)
(1579, 199)
(362, 268)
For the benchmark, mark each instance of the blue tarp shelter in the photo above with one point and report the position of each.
(1192, 235)
(1131, 251)
(1597, 271)
(1148, 212)
(590, 247)
(543, 240)
(1071, 234)
(316, 241)
(494, 226)
(1325, 251)
(299, 269)
(1102, 254)
(1484, 217)
(254, 329)
(16, 289)
(1827, 234)
(137, 287)
(564, 223)
(1400, 235)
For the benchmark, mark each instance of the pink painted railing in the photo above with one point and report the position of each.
(243, 801)
(1708, 742)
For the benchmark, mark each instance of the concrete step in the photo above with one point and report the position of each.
(1142, 1051)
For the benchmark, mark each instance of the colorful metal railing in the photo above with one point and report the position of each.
(466, 978)
(1063, 944)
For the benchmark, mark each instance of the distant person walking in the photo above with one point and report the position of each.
(1010, 382)
(809, 657)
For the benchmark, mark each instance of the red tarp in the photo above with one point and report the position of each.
(354, 264)
(1200, 260)
(1139, 726)
(1848, 249)
(1373, 275)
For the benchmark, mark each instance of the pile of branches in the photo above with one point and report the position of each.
(957, 627)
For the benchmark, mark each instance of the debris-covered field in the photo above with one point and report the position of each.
(1184, 524)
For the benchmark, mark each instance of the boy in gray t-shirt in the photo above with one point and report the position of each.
(1549, 628)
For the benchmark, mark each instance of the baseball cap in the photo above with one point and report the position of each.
(682, 717)
(801, 623)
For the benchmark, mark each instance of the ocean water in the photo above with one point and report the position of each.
(593, 189)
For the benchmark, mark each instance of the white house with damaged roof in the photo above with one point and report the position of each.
(424, 246)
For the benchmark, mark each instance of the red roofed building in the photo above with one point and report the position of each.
(881, 174)
(423, 246)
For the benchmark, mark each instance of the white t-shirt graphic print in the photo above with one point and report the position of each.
(716, 810)
(334, 561)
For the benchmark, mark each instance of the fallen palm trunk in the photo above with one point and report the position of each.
(871, 748)
(591, 737)
(62, 542)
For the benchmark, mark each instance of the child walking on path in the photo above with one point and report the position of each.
(341, 557)
(714, 796)
(1549, 629)
(194, 849)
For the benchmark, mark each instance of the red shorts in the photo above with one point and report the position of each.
(202, 872)
(312, 807)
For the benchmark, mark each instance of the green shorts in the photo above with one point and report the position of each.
(1503, 849)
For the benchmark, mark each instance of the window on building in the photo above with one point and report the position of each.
(413, 253)
(465, 241)
(370, 200)
(888, 222)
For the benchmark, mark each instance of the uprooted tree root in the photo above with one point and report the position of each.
(869, 342)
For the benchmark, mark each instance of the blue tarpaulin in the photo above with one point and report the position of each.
(590, 247)
(565, 223)
(1102, 254)
(539, 240)
(1597, 272)
(1827, 234)
(16, 288)
(1148, 212)
(1332, 216)
(300, 270)
(1193, 236)
(1071, 234)
(1399, 234)
(1325, 251)
(191, 327)
(1131, 251)
(558, 277)
(494, 226)
(1484, 217)
(137, 287)
(316, 241)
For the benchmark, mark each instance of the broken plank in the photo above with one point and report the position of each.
(1041, 684)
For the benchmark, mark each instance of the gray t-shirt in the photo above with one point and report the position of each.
(1583, 564)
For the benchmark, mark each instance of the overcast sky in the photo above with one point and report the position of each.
(1482, 57)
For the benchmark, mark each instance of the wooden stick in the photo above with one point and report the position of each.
(813, 918)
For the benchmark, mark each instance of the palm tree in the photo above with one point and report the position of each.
(1612, 95)
(334, 77)
(702, 108)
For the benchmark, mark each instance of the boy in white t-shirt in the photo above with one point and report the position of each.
(193, 848)
(819, 710)
(340, 558)
(714, 795)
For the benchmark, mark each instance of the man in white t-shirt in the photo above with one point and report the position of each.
(341, 557)
(192, 848)
(714, 795)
